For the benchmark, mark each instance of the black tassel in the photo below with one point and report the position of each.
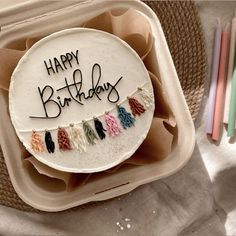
(49, 142)
(99, 128)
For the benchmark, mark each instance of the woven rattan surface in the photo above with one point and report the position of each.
(182, 28)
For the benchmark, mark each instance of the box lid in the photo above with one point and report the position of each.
(14, 11)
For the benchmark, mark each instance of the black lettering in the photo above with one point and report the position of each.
(76, 56)
(69, 58)
(74, 89)
(64, 60)
(57, 64)
(49, 67)
(47, 101)
(114, 90)
(66, 101)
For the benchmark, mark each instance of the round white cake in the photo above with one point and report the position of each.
(81, 100)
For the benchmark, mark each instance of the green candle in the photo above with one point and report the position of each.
(232, 107)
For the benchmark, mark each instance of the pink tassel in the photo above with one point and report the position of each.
(112, 125)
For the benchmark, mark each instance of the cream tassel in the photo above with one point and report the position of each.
(146, 96)
(77, 138)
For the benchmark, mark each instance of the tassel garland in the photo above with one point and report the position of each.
(49, 142)
(36, 142)
(136, 107)
(63, 140)
(77, 138)
(112, 125)
(146, 96)
(99, 128)
(89, 133)
(125, 117)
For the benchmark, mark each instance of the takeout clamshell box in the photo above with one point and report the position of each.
(30, 19)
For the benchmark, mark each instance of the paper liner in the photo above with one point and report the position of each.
(162, 108)
(48, 171)
(133, 28)
(128, 25)
(8, 61)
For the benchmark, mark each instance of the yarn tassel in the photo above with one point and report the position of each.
(49, 142)
(63, 140)
(112, 125)
(146, 96)
(77, 138)
(136, 107)
(89, 133)
(99, 128)
(125, 117)
(36, 142)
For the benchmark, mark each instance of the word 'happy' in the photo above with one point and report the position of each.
(64, 61)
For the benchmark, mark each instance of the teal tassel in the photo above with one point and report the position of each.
(126, 119)
(89, 133)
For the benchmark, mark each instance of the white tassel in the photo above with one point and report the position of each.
(146, 96)
(77, 138)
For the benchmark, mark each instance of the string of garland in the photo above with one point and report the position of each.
(78, 138)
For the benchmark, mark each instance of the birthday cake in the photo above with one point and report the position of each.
(81, 100)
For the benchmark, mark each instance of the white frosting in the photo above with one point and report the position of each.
(116, 59)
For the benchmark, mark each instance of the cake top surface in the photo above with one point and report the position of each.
(81, 100)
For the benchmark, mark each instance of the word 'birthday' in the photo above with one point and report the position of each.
(51, 98)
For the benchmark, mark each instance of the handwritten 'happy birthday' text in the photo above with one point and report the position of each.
(51, 98)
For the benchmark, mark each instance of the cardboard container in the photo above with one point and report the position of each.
(46, 18)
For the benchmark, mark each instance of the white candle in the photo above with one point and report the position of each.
(214, 76)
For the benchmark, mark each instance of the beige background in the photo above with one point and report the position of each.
(198, 200)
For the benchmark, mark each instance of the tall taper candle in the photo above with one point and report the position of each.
(214, 75)
(230, 69)
(221, 82)
(232, 107)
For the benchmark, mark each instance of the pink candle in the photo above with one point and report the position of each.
(214, 74)
(221, 85)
